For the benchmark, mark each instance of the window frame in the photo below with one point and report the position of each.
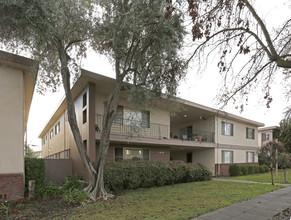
(253, 133)
(223, 156)
(132, 148)
(247, 156)
(224, 128)
(57, 128)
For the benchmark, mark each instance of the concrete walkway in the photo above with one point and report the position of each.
(261, 207)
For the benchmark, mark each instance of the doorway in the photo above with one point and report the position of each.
(189, 157)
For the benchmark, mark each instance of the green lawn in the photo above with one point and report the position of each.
(264, 177)
(181, 201)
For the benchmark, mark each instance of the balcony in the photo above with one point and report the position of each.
(196, 136)
(134, 128)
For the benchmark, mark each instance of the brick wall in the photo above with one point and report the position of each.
(223, 169)
(11, 186)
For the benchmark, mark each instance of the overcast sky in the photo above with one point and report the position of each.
(201, 89)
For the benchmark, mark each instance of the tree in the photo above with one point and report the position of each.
(285, 162)
(140, 40)
(269, 154)
(55, 33)
(285, 133)
(143, 44)
(233, 28)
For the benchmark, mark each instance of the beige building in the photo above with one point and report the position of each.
(195, 134)
(17, 78)
(267, 134)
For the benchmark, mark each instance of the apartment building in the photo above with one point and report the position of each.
(17, 79)
(267, 134)
(196, 133)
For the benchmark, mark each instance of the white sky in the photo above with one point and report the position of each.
(200, 89)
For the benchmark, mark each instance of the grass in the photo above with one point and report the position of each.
(181, 201)
(264, 177)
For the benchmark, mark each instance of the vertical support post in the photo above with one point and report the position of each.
(31, 189)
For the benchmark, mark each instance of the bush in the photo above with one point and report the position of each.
(244, 170)
(251, 169)
(261, 169)
(234, 170)
(73, 182)
(266, 168)
(34, 170)
(75, 196)
(256, 168)
(123, 175)
(49, 189)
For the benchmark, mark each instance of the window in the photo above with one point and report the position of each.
(266, 136)
(67, 154)
(135, 154)
(57, 128)
(226, 129)
(119, 115)
(250, 132)
(250, 157)
(43, 140)
(84, 116)
(227, 156)
(51, 133)
(58, 155)
(85, 99)
(132, 117)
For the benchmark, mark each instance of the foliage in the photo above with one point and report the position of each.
(234, 170)
(284, 160)
(172, 202)
(4, 207)
(49, 189)
(73, 182)
(34, 170)
(132, 175)
(29, 152)
(251, 170)
(285, 133)
(249, 52)
(244, 170)
(75, 196)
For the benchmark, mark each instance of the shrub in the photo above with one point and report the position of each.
(34, 170)
(244, 170)
(251, 169)
(49, 189)
(73, 182)
(261, 169)
(234, 170)
(132, 175)
(256, 168)
(75, 196)
(266, 168)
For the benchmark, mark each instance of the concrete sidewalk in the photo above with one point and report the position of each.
(261, 207)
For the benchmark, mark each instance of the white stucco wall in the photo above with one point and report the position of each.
(239, 155)
(11, 121)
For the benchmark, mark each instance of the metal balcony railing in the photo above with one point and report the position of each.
(197, 135)
(134, 128)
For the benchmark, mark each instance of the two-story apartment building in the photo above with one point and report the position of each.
(17, 78)
(194, 134)
(267, 134)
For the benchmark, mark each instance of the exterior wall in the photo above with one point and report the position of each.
(12, 121)
(156, 153)
(239, 134)
(223, 169)
(57, 169)
(11, 186)
(239, 155)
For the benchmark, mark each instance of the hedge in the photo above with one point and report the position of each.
(124, 175)
(236, 170)
(34, 170)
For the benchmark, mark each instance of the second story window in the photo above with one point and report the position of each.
(250, 133)
(57, 128)
(226, 128)
(51, 133)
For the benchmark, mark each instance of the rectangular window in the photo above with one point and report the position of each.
(250, 133)
(226, 128)
(266, 136)
(85, 99)
(134, 154)
(51, 133)
(58, 155)
(67, 154)
(57, 128)
(84, 116)
(250, 157)
(227, 156)
(136, 118)
(119, 115)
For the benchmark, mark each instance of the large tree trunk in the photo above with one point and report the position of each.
(65, 73)
(110, 108)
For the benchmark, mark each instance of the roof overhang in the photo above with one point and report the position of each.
(29, 68)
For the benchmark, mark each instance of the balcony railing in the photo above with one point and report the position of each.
(198, 136)
(134, 128)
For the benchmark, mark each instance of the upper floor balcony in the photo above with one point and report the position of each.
(145, 129)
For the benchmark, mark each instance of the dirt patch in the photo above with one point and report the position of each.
(284, 215)
(36, 209)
